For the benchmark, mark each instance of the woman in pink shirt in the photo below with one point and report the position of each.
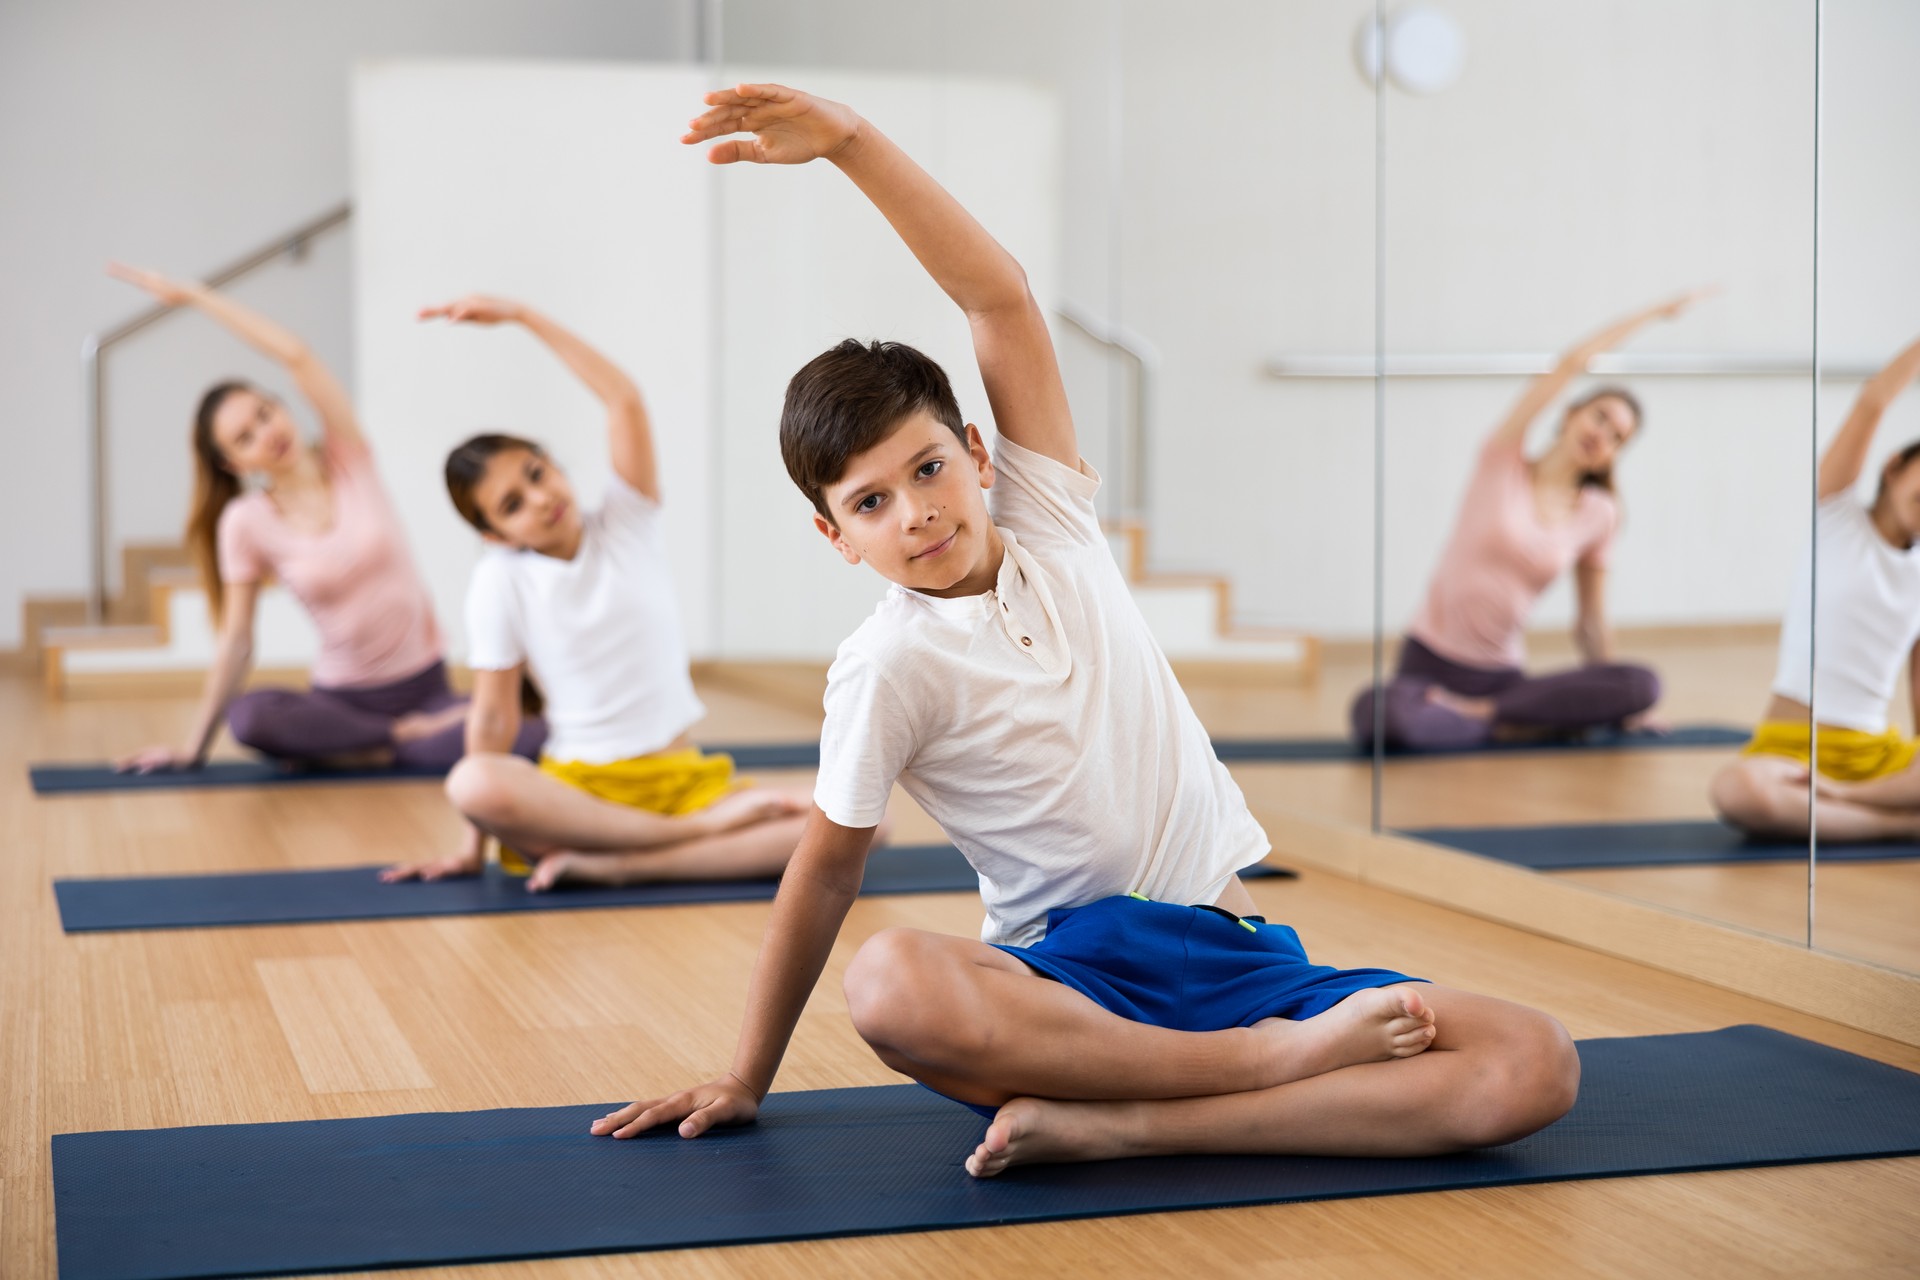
(319, 522)
(1523, 522)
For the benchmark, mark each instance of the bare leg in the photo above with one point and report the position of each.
(1496, 1072)
(1766, 796)
(510, 798)
(977, 1024)
(757, 852)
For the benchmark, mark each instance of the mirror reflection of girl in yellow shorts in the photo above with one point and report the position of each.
(1864, 627)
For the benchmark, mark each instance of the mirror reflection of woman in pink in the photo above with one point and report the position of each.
(318, 521)
(1461, 680)
(1867, 621)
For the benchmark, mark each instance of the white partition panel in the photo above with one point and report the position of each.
(561, 184)
(565, 185)
(807, 262)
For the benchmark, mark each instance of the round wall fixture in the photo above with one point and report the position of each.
(1426, 49)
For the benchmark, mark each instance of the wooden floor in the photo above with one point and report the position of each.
(263, 1024)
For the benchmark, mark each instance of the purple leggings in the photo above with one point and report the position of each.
(321, 724)
(1562, 703)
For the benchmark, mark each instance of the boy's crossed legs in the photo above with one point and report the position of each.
(1400, 1070)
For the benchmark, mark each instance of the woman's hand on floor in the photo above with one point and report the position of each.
(157, 759)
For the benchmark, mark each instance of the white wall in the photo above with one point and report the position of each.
(179, 135)
(565, 185)
(1592, 157)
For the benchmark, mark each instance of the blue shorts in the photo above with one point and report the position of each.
(1188, 968)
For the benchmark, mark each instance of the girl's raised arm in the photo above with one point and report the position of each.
(629, 430)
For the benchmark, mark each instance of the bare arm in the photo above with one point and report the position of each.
(232, 659)
(493, 720)
(629, 430)
(1010, 338)
(315, 381)
(1840, 466)
(1590, 633)
(1547, 388)
(815, 893)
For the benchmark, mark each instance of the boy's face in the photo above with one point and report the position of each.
(914, 507)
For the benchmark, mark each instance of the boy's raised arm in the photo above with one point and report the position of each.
(1010, 338)
(815, 892)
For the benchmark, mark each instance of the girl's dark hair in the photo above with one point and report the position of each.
(1603, 478)
(465, 465)
(1894, 466)
(468, 462)
(214, 486)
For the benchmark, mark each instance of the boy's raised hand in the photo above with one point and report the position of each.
(788, 126)
(726, 1101)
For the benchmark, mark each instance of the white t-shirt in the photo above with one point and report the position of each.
(1039, 724)
(600, 633)
(1868, 616)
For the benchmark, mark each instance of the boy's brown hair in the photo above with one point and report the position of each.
(847, 400)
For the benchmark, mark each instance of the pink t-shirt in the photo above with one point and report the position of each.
(1501, 557)
(357, 579)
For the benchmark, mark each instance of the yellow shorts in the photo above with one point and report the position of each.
(669, 782)
(1846, 755)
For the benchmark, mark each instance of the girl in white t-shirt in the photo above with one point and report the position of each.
(583, 602)
(1868, 620)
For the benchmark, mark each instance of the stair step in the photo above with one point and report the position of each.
(103, 636)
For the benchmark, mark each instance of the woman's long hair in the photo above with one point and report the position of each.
(1603, 478)
(214, 486)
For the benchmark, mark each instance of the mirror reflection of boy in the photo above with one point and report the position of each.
(1125, 1000)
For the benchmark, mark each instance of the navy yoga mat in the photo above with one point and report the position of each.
(1281, 750)
(337, 1195)
(68, 779)
(355, 893)
(1643, 844)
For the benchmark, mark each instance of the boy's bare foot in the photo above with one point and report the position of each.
(752, 805)
(1042, 1131)
(1368, 1026)
(1460, 704)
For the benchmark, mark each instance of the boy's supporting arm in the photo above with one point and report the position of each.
(816, 891)
(1010, 338)
(629, 430)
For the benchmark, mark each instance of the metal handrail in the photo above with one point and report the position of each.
(292, 244)
(1521, 365)
(1143, 361)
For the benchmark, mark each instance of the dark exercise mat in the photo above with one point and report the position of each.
(70, 779)
(339, 1195)
(1643, 844)
(356, 893)
(1281, 750)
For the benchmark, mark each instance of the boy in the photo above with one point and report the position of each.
(1122, 1002)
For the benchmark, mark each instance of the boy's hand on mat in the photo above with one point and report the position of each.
(475, 308)
(163, 288)
(462, 863)
(156, 759)
(726, 1101)
(788, 126)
